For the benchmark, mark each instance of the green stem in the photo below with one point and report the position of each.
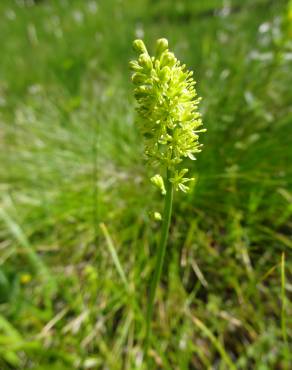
(159, 259)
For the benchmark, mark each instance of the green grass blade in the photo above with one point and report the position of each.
(283, 311)
(206, 331)
(19, 235)
(114, 254)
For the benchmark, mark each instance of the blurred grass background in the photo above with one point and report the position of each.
(71, 158)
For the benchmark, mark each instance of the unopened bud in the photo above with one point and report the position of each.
(134, 66)
(168, 59)
(157, 216)
(138, 78)
(165, 74)
(139, 46)
(145, 61)
(157, 180)
(161, 46)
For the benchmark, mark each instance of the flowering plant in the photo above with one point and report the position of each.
(170, 123)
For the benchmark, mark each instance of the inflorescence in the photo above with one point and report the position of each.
(168, 112)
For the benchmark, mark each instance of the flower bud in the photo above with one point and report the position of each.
(165, 74)
(138, 78)
(134, 66)
(157, 216)
(168, 59)
(161, 46)
(157, 180)
(139, 46)
(145, 61)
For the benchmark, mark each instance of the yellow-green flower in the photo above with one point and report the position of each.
(167, 108)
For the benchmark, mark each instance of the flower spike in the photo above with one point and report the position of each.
(168, 110)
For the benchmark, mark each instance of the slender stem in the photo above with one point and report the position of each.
(159, 259)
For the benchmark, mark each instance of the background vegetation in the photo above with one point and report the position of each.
(73, 292)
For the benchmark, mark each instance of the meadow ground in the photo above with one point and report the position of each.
(75, 190)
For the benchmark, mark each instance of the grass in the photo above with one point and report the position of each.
(70, 159)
